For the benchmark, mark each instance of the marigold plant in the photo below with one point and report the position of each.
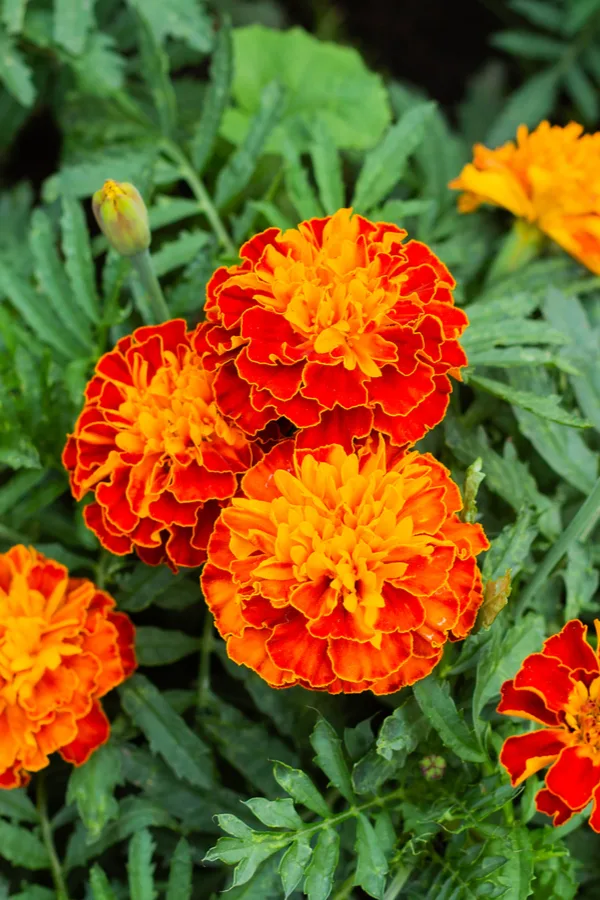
(339, 326)
(343, 572)
(62, 647)
(153, 447)
(549, 177)
(558, 688)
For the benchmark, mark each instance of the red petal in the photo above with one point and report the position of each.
(251, 649)
(92, 731)
(573, 777)
(595, 817)
(525, 754)
(258, 482)
(364, 662)
(94, 519)
(169, 510)
(195, 483)
(180, 548)
(282, 381)
(223, 601)
(548, 678)
(571, 647)
(291, 647)
(337, 426)
(335, 384)
(548, 803)
(402, 611)
(125, 641)
(112, 496)
(525, 704)
(399, 394)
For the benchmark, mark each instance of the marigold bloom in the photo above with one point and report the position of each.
(343, 572)
(62, 647)
(122, 216)
(559, 689)
(550, 177)
(153, 447)
(337, 324)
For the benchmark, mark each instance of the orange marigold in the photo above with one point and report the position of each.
(155, 450)
(343, 572)
(62, 647)
(559, 688)
(336, 324)
(550, 177)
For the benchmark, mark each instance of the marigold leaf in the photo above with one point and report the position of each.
(402, 731)
(300, 787)
(582, 92)
(139, 866)
(297, 184)
(320, 873)
(72, 21)
(330, 758)
(293, 864)
(155, 68)
(92, 786)
(179, 886)
(175, 254)
(183, 19)
(371, 864)
(16, 805)
(529, 45)
(327, 167)
(510, 549)
(581, 580)
(33, 308)
(78, 258)
(100, 885)
(438, 706)
(545, 406)
(100, 69)
(159, 646)
(275, 813)
(539, 13)
(238, 171)
(529, 104)
(385, 165)
(215, 98)
(22, 848)
(168, 734)
(13, 15)
(15, 74)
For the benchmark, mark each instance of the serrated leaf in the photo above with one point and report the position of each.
(248, 854)
(528, 44)
(155, 69)
(183, 19)
(438, 706)
(582, 92)
(530, 103)
(34, 309)
(22, 848)
(92, 787)
(100, 69)
(581, 580)
(275, 813)
(293, 864)
(300, 787)
(297, 184)
(180, 252)
(15, 804)
(160, 647)
(320, 873)
(216, 98)
(78, 258)
(100, 885)
(384, 166)
(371, 864)
(81, 179)
(179, 886)
(330, 758)
(167, 733)
(72, 21)
(13, 15)
(140, 870)
(539, 13)
(544, 406)
(402, 731)
(327, 168)
(52, 279)
(15, 74)
(237, 172)
(511, 547)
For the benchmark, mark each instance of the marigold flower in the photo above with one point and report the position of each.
(343, 572)
(153, 447)
(550, 177)
(62, 647)
(559, 689)
(337, 324)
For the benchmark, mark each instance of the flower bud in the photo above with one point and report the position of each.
(122, 216)
(432, 767)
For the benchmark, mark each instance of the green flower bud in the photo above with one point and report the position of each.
(432, 767)
(122, 216)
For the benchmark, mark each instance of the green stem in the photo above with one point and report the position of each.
(201, 195)
(204, 670)
(42, 808)
(143, 265)
(398, 882)
(345, 890)
(581, 523)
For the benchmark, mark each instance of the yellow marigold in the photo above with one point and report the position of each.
(550, 178)
(62, 647)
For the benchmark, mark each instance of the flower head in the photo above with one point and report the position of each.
(122, 216)
(550, 177)
(343, 572)
(558, 689)
(338, 326)
(153, 447)
(62, 647)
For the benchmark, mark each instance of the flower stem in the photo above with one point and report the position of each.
(204, 670)
(143, 265)
(520, 246)
(42, 808)
(581, 523)
(398, 882)
(201, 195)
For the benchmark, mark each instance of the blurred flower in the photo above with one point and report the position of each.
(62, 647)
(551, 178)
(122, 216)
(154, 449)
(343, 572)
(559, 689)
(432, 767)
(338, 326)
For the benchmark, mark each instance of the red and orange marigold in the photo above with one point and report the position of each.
(559, 689)
(62, 647)
(343, 572)
(152, 445)
(339, 326)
